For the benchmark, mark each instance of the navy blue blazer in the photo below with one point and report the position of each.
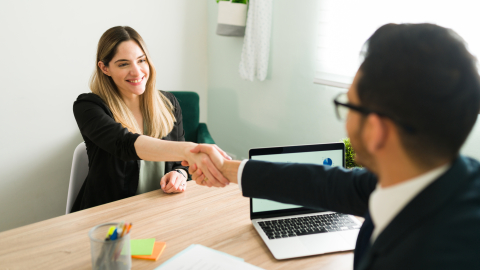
(438, 229)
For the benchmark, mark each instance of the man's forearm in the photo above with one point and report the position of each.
(230, 170)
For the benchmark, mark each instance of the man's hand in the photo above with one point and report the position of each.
(209, 159)
(229, 170)
(173, 182)
(225, 165)
(216, 158)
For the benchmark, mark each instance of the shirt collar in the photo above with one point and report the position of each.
(386, 203)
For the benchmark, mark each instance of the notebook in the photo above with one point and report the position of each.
(291, 231)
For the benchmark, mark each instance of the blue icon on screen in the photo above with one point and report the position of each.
(327, 161)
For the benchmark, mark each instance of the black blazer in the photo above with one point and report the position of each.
(112, 160)
(438, 229)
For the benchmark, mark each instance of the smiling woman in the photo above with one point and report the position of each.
(128, 126)
(122, 56)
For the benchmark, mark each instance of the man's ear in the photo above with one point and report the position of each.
(375, 132)
(104, 68)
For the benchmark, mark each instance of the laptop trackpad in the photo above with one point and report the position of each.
(325, 242)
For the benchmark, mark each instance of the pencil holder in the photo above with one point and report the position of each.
(109, 254)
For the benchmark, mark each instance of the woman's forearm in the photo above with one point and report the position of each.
(160, 150)
(152, 149)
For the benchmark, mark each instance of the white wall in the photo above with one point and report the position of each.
(48, 53)
(285, 109)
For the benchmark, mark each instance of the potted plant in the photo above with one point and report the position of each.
(232, 17)
(350, 155)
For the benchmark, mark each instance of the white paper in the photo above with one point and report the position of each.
(198, 257)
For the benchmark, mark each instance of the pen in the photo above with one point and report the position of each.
(117, 248)
(114, 235)
(120, 228)
(101, 260)
(109, 233)
(125, 230)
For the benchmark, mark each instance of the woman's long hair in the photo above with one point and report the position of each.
(156, 109)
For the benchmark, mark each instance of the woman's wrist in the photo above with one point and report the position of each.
(186, 151)
(182, 172)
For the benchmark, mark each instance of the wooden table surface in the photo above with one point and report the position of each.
(214, 217)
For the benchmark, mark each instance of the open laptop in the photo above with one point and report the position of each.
(291, 231)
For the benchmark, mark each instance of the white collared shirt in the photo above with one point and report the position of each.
(386, 203)
(239, 173)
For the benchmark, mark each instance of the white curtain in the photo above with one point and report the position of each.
(256, 44)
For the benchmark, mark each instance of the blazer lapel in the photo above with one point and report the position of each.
(416, 211)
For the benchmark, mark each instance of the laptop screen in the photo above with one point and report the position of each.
(331, 154)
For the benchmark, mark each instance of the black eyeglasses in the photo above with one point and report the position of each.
(342, 107)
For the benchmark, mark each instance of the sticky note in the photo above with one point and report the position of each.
(157, 251)
(142, 246)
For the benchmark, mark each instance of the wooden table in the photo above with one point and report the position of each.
(214, 217)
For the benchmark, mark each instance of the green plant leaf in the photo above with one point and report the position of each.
(349, 155)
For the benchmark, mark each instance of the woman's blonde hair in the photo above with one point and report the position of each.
(156, 109)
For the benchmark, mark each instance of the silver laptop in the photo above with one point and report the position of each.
(291, 231)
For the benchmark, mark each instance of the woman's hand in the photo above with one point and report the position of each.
(173, 182)
(208, 158)
(200, 170)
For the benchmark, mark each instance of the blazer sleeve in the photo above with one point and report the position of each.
(310, 185)
(97, 124)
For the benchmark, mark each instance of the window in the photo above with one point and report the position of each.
(345, 25)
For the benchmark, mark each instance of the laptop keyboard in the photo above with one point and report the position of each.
(292, 227)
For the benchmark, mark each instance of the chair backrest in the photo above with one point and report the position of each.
(190, 104)
(77, 175)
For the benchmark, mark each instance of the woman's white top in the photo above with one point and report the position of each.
(150, 174)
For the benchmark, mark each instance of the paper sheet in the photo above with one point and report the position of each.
(198, 257)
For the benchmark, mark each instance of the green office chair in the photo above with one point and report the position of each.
(194, 130)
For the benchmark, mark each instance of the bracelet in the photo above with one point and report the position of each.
(180, 172)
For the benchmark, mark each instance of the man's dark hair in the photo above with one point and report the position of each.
(423, 76)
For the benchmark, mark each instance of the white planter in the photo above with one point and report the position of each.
(232, 19)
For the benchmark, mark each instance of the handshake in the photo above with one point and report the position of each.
(211, 166)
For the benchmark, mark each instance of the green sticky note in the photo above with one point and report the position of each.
(142, 246)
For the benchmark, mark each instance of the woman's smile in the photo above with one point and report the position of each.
(136, 81)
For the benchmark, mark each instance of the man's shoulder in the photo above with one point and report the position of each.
(472, 164)
(461, 209)
(471, 173)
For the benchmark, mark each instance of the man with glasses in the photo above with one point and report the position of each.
(410, 108)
